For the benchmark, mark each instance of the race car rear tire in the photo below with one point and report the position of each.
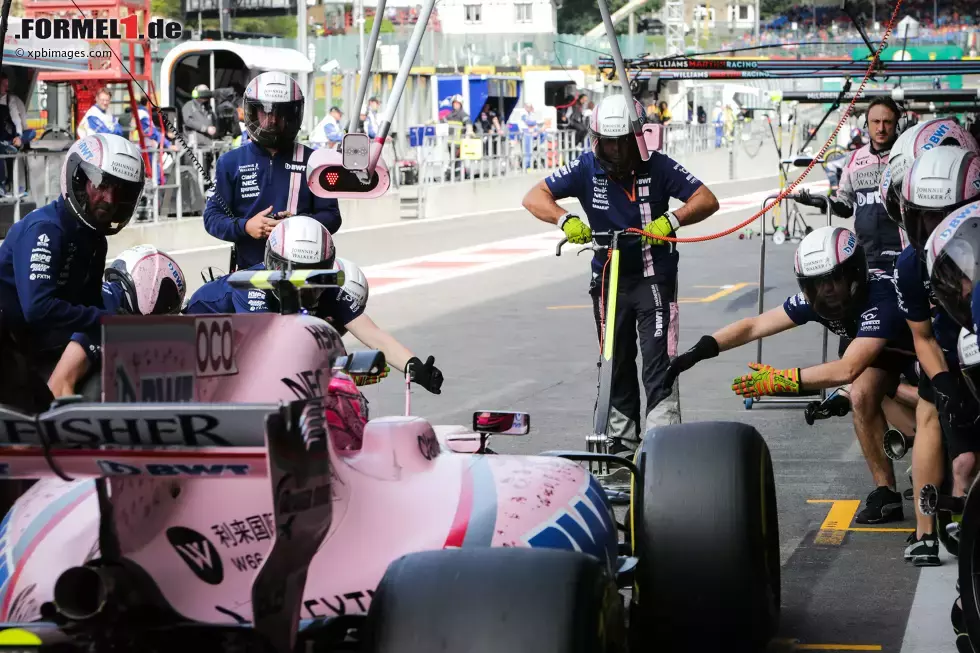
(969, 563)
(519, 600)
(707, 540)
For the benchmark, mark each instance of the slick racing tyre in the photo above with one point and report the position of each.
(518, 600)
(969, 564)
(707, 540)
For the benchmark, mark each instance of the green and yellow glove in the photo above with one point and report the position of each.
(767, 380)
(361, 380)
(665, 225)
(577, 232)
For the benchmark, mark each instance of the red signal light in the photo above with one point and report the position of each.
(332, 178)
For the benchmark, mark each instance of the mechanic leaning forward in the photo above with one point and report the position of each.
(301, 243)
(264, 180)
(52, 262)
(618, 190)
(838, 291)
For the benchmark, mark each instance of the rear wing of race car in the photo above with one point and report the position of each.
(287, 443)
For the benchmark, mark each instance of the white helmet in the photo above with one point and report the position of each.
(299, 243)
(899, 159)
(942, 131)
(969, 355)
(151, 281)
(937, 183)
(953, 263)
(102, 181)
(355, 283)
(273, 107)
(832, 271)
(613, 141)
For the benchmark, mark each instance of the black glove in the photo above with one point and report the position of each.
(806, 199)
(428, 375)
(707, 347)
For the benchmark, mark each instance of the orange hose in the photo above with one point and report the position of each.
(789, 189)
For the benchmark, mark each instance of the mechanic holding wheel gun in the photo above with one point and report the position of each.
(52, 262)
(301, 243)
(839, 292)
(264, 180)
(618, 190)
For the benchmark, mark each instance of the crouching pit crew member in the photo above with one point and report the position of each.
(51, 262)
(264, 180)
(141, 280)
(302, 243)
(839, 292)
(619, 190)
(937, 183)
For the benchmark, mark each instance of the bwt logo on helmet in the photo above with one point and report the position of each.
(90, 29)
(936, 138)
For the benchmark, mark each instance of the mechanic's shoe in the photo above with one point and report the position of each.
(617, 448)
(953, 530)
(924, 551)
(882, 505)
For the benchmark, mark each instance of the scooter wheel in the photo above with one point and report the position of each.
(748, 403)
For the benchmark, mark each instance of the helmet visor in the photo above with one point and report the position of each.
(951, 284)
(168, 299)
(108, 202)
(920, 222)
(273, 124)
(618, 156)
(838, 294)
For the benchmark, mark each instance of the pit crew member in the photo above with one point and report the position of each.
(858, 190)
(264, 180)
(841, 293)
(618, 190)
(938, 182)
(51, 262)
(301, 243)
(141, 280)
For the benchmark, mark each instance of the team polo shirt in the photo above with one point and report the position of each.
(609, 206)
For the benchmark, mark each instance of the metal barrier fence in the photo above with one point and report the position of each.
(445, 156)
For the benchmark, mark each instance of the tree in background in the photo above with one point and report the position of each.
(579, 16)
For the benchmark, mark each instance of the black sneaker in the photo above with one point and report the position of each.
(882, 505)
(924, 551)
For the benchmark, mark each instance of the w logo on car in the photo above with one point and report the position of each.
(198, 552)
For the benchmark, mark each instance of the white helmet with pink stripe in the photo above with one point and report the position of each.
(937, 183)
(613, 141)
(102, 181)
(299, 243)
(832, 271)
(152, 283)
(273, 108)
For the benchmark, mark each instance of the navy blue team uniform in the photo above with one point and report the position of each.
(916, 304)
(338, 307)
(51, 269)
(648, 273)
(877, 317)
(249, 180)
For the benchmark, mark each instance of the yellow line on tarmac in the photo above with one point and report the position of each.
(838, 520)
(882, 530)
(724, 292)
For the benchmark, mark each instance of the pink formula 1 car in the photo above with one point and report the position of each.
(218, 501)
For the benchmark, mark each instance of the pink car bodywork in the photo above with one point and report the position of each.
(202, 539)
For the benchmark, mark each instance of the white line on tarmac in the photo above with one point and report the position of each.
(928, 629)
(474, 214)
